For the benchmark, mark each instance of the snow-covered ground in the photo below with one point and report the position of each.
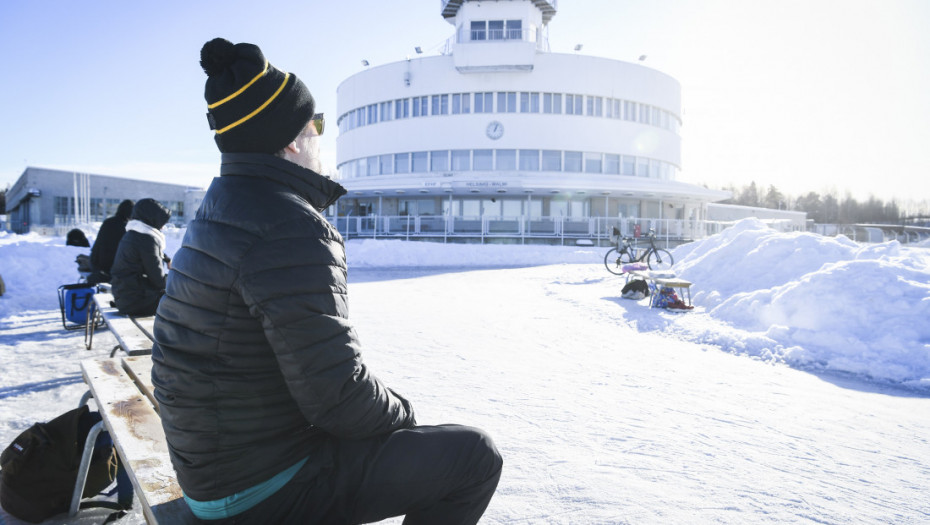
(797, 391)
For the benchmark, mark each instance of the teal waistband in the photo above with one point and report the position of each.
(245, 500)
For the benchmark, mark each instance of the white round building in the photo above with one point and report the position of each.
(497, 137)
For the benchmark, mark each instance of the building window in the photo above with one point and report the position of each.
(484, 160)
(574, 105)
(612, 164)
(551, 160)
(439, 160)
(461, 103)
(440, 105)
(643, 111)
(529, 102)
(401, 163)
(514, 30)
(386, 111)
(506, 160)
(372, 113)
(461, 159)
(552, 103)
(495, 30)
(529, 159)
(420, 106)
(420, 161)
(629, 110)
(387, 167)
(628, 165)
(484, 102)
(507, 102)
(373, 166)
(479, 30)
(592, 162)
(402, 108)
(642, 167)
(573, 161)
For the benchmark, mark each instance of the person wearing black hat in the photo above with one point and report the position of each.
(138, 276)
(104, 250)
(270, 413)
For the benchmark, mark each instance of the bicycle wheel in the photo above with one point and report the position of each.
(659, 259)
(614, 261)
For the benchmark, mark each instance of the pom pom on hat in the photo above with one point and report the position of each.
(252, 106)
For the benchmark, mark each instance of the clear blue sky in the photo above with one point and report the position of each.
(809, 95)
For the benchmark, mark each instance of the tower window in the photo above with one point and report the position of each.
(514, 30)
(479, 30)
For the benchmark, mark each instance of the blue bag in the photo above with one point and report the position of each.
(75, 300)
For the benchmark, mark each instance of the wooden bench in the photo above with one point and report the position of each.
(134, 335)
(660, 279)
(123, 392)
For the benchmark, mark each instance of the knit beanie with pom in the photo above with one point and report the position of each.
(252, 106)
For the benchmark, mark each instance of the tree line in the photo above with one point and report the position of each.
(827, 208)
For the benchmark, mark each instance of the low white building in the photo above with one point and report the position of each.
(497, 136)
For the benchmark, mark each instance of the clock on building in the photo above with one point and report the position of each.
(495, 130)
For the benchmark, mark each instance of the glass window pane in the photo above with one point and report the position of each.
(439, 160)
(573, 161)
(628, 165)
(506, 159)
(592, 162)
(551, 160)
(514, 29)
(612, 164)
(529, 159)
(401, 163)
(484, 159)
(495, 30)
(534, 102)
(557, 103)
(461, 159)
(478, 30)
(373, 166)
(420, 159)
(387, 166)
(642, 167)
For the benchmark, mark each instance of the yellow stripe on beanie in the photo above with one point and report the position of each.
(258, 109)
(240, 90)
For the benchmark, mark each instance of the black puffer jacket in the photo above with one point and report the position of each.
(255, 361)
(138, 277)
(107, 241)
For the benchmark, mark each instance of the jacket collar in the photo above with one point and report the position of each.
(318, 190)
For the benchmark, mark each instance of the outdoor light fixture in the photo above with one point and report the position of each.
(578, 47)
(365, 63)
(642, 57)
(418, 50)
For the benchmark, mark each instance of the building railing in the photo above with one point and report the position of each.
(553, 230)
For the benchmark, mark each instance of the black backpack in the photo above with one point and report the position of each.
(40, 467)
(636, 285)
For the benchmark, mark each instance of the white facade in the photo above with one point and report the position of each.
(497, 126)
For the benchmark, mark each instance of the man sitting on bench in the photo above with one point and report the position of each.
(270, 414)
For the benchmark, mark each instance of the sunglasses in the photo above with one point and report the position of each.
(318, 122)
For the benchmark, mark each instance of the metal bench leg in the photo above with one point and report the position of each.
(85, 398)
(92, 316)
(113, 352)
(83, 468)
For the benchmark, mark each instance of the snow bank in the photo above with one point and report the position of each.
(813, 301)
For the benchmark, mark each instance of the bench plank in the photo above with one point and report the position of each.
(140, 440)
(139, 369)
(134, 334)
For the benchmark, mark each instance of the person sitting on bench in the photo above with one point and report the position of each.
(270, 414)
(138, 277)
(107, 241)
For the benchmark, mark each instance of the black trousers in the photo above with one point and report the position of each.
(432, 474)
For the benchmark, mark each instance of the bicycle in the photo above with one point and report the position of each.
(625, 253)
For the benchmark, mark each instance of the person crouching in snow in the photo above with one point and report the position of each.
(138, 277)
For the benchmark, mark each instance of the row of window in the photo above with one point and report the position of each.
(507, 160)
(508, 102)
(100, 208)
(496, 30)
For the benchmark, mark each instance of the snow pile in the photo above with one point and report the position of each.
(814, 301)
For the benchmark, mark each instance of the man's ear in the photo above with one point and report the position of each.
(292, 147)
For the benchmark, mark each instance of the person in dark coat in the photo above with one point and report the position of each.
(104, 250)
(76, 237)
(270, 413)
(138, 275)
